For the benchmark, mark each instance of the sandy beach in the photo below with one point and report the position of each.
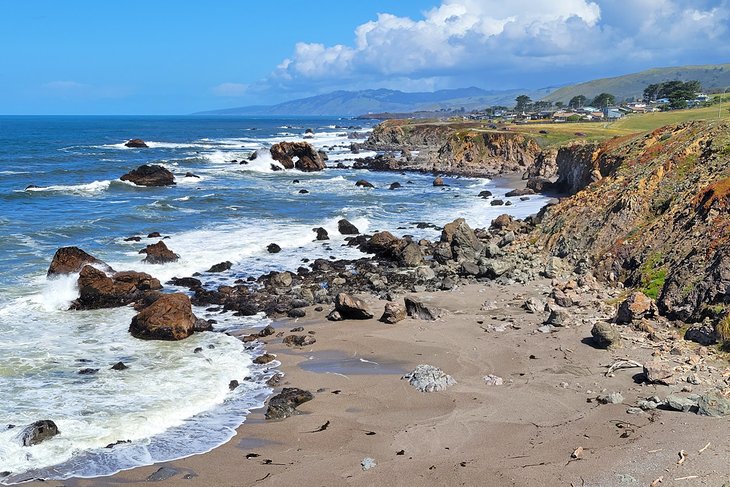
(542, 426)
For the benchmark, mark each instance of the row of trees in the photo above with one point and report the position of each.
(524, 103)
(677, 92)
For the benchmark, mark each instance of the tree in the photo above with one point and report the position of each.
(542, 105)
(523, 101)
(559, 104)
(577, 101)
(603, 100)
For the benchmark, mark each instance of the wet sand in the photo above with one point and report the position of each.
(521, 433)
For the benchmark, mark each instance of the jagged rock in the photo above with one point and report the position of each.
(308, 159)
(679, 403)
(285, 403)
(464, 243)
(136, 144)
(493, 380)
(635, 307)
(532, 305)
(223, 266)
(159, 254)
(68, 260)
(393, 313)
(321, 233)
(427, 378)
(97, 290)
(273, 248)
(606, 335)
(364, 184)
(169, 318)
(188, 282)
(150, 175)
(470, 269)
(38, 432)
(502, 221)
(558, 317)
(350, 307)
(119, 366)
(553, 267)
(702, 334)
(203, 325)
(419, 310)
(658, 373)
(299, 340)
(347, 228)
(443, 253)
(494, 268)
(561, 299)
(710, 404)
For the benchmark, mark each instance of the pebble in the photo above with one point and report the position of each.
(368, 463)
(493, 380)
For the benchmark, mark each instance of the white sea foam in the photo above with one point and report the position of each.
(92, 188)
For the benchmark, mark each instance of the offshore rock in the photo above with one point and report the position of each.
(68, 260)
(136, 143)
(307, 157)
(97, 290)
(38, 432)
(347, 228)
(159, 254)
(169, 318)
(152, 175)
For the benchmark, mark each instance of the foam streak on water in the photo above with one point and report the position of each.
(171, 402)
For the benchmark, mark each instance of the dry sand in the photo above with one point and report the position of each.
(521, 433)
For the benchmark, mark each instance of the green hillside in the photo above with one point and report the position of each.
(712, 77)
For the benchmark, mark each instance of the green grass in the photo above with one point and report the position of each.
(651, 121)
(653, 275)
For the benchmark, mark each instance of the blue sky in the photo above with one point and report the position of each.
(172, 57)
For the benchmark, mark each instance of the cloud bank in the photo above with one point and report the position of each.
(499, 42)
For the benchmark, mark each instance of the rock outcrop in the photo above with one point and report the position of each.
(286, 402)
(159, 254)
(68, 260)
(169, 318)
(38, 432)
(136, 144)
(150, 175)
(299, 155)
(97, 290)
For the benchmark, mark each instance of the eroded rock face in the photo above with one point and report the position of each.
(307, 158)
(351, 307)
(286, 402)
(68, 260)
(159, 254)
(169, 318)
(150, 175)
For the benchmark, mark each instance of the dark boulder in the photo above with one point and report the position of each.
(221, 267)
(395, 185)
(273, 248)
(299, 340)
(68, 260)
(485, 194)
(418, 309)
(152, 175)
(347, 228)
(97, 290)
(285, 403)
(169, 318)
(393, 313)
(321, 233)
(136, 144)
(308, 159)
(438, 182)
(38, 432)
(159, 254)
(520, 192)
(364, 184)
(638, 305)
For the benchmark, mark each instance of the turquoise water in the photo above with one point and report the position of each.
(170, 403)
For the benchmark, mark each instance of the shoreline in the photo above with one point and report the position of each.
(520, 433)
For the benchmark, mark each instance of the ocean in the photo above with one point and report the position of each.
(59, 186)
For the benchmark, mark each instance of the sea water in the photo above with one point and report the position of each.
(59, 186)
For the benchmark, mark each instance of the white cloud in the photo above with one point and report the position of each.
(230, 89)
(517, 37)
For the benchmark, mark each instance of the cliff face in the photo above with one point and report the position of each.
(456, 149)
(652, 211)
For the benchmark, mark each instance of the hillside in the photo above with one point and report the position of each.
(353, 103)
(714, 76)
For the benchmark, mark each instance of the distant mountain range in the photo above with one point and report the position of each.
(352, 103)
(712, 77)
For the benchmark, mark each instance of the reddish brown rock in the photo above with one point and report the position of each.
(393, 313)
(308, 159)
(169, 318)
(351, 307)
(97, 290)
(68, 260)
(159, 254)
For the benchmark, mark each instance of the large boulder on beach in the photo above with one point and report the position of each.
(152, 175)
(136, 144)
(159, 254)
(351, 307)
(299, 155)
(286, 402)
(68, 260)
(464, 243)
(97, 290)
(169, 318)
(38, 432)
(638, 305)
